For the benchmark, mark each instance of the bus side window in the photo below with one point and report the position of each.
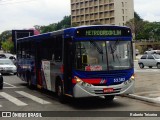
(58, 49)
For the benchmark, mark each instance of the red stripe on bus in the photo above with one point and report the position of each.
(92, 81)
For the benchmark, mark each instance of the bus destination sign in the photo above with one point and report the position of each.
(102, 32)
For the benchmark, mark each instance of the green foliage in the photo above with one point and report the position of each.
(8, 45)
(136, 25)
(152, 30)
(5, 35)
(65, 23)
(144, 29)
(137, 17)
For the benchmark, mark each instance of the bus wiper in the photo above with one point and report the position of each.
(97, 47)
(114, 48)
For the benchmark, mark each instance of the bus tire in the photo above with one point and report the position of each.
(60, 91)
(109, 98)
(29, 82)
(1, 86)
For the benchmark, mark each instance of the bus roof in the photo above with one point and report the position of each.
(68, 32)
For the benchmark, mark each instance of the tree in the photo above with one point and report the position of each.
(65, 23)
(152, 30)
(136, 24)
(5, 35)
(8, 45)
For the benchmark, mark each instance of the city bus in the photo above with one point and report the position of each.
(84, 61)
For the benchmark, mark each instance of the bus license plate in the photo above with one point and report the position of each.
(107, 90)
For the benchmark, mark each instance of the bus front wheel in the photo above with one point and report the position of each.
(60, 91)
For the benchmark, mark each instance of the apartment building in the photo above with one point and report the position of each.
(114, 12)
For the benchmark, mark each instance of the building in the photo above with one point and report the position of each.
(114, 12)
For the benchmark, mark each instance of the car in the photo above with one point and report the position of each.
(7, 66)
(136, 52)
(1, 81)
(8, 55)
(3, 56)
(152, 52)
(150, 60)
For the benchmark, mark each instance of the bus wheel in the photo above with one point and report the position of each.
(1, 86)
(29, 84)
(109, 98)
(60, 92)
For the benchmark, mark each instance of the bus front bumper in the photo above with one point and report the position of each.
(89, 90)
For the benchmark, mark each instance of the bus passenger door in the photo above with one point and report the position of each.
(38, 65)
(68, 61)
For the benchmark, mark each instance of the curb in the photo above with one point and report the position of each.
(142, 98)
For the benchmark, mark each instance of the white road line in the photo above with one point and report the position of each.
(12, 99)
(34, 98)
(146, 70)
(13, 87)
(158, 98)
(0, 105)
(9, 84)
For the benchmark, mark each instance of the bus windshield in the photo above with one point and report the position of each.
(103, 55)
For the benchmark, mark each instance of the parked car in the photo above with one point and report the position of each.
(137, 52)
(9, 56)
(152, 52)
(7, 66)
(1, 81)
(150, 60)
(3, 56)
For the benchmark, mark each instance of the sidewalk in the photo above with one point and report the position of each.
(147, 86)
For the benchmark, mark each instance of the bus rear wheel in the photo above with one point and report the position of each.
(109, 98)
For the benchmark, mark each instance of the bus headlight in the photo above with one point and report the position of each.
(131, 79)
(81, 82)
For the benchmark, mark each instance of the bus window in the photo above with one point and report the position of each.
(58, 49)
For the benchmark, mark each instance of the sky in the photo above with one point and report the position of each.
(24, 14)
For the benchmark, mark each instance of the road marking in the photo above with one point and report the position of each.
(13, 87)
(9, 84)
(115, 98)
(146, 70)
(0, 105)
(158, 98)
(34, 98)
(12, 99)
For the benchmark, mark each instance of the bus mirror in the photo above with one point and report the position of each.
(53, 58)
